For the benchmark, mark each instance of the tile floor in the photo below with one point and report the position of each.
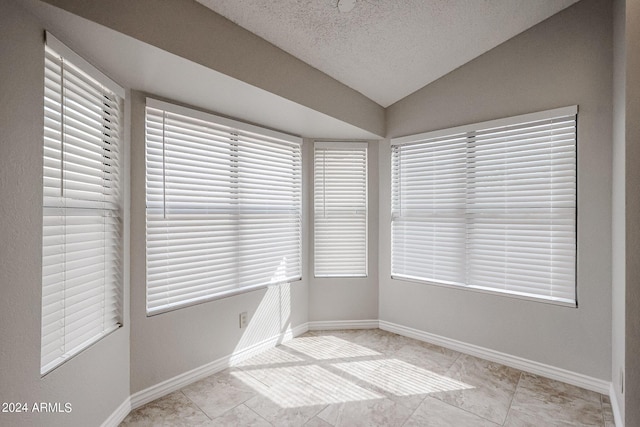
(373, 378)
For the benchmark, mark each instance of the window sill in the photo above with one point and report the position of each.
(510, 294)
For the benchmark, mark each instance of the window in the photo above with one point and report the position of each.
(340, 209)
(81, 243)
(490, 206)
(223, 207)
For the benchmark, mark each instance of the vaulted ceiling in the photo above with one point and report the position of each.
(330, 73)
(387, 49)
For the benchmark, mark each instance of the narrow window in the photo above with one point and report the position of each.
(82, 209)
(340, 209)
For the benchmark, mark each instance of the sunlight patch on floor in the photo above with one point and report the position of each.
(400, 378)
(272, 356)
(308, 385)
(328, 347)
(322, 370)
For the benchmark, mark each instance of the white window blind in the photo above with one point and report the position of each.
(82, 245)
(490, 206)
(223, 207)
(340, 209)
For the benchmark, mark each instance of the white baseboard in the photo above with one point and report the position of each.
(569, 377)
(176, 383)
(342, 324)
(119, 414)
(168, 386)
(615, 407)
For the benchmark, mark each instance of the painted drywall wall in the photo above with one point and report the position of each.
(169, 344)
(632, 191)
(101, 370)
(341, 298)
(188, 29)
(564, 60)
(136, 64)
(618, 207)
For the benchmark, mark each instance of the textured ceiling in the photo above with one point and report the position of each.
(387, 49)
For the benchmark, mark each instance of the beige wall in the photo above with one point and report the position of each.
(101, 370)
(626, 203)
(215, 42)
(563, 61)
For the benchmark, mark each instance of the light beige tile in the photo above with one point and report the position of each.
(326, 347)
(241, 415)
(488, 387)
(373, 378)
(329, 385)
(317, 422)
(174, 409)
(381, 341)
(541, 401)
(435, 413)
(345, 334)
(558, 391)
(273, 376)
(330, 414)
(428, 356)
(219, 393)
(272, 357)
(397, 380)
(379, 412)
(409, 384)
(607, 412)
(287, 404)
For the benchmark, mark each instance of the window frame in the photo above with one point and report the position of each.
(234, 130)
(472, 129)
(337, 146)
(76, 174)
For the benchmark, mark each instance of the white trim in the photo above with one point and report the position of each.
(340, 145)
(172, 384)
(83, 64)
(234, 124)
(559, 374)
(615, 407)
(119, 414)
(162, 389)
(342, 324)
(496, 292)
(524, 118)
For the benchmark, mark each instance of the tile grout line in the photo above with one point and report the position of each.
(327, 365)
(196, 405)
(464, 409)
(317, 413)
(467, 411)
(291, 351)
(604, 422)
(513, 397)
(414, 411)
(257, 414)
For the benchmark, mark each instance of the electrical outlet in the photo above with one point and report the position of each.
(243, 319)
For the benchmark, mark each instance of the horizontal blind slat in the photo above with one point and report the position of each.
(491, 208)
(81, 274)
(223, 208)
(340, 210)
